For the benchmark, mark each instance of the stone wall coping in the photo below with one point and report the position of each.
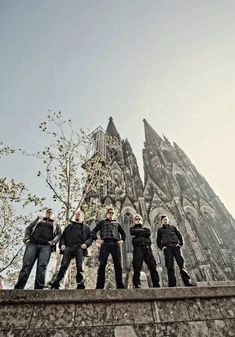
(113, 295)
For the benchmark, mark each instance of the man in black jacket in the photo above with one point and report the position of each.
(169, 239)
(110, 231)
(142, 252)
(41, 237)
(74, 242)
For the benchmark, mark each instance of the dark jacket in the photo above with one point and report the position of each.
(109, 230)
(31, 228)
(168, 235)
(86, 234)
(141, 235)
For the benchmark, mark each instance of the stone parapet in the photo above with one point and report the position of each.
(174, 312)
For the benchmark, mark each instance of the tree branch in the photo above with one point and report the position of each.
(12, 260)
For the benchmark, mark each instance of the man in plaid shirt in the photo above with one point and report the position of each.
(112, 236)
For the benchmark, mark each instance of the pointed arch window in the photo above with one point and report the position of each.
(182, 181)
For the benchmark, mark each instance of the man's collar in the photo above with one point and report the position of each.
(77, 221)
(47, 219)
(166, 225)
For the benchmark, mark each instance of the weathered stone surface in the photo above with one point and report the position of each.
(104, 314)
(84, 314)
(100, 295)
(231, 327)
(138, 312)
(170, 311)
(97, 314)
(227, 307)
(119, 313)
(220, 328)
(63, 332)
(198, 329)
(124, 330)
(105, 331)
(201, 309)
(5, 295)
(145, 330)
(178, 329)
(15, 315)
(52, 315)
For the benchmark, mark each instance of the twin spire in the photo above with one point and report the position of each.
(150, 133)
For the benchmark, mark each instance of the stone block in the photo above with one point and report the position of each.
(134, 313)
(84, 314)
(221, 328)
(104, 314)
(177, 312)
(145, 330)
(61, 332)
(227, 306)
(52, 315)
(201, 309)
(172, 330)
(105, 331)
(96, 314)
(15, 315)
(198, 329)
(170, 311)
(5, 295)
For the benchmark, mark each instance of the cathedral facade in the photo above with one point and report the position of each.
(172, 186)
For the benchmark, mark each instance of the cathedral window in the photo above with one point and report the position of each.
(182, 181)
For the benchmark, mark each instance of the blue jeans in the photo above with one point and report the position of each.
(34, 252)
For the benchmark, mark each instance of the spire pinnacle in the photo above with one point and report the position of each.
(112, 130)
(150, 134)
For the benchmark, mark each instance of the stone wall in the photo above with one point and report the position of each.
(174, 312)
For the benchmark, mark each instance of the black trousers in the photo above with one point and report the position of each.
(107, 248)
(34, 252)
(144, 254)
(171, 253)
(70, 253)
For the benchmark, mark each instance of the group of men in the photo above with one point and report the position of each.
(42, 235)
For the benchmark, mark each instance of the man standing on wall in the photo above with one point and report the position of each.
(74, 242)
(110, 240)
(41, 237)
(170, 240)
(142, 252)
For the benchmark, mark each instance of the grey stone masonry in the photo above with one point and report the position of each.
(173, 186)
(205, 311)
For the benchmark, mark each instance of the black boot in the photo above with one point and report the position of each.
(55, 285)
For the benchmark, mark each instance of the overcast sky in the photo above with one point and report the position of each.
(169, 61)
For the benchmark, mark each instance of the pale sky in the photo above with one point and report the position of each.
(169, 61)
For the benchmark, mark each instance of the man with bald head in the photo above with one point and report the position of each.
(74, 242)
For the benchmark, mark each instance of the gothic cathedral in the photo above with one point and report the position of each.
(172, 186)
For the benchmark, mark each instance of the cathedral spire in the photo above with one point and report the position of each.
(112, 130)
(167, 140)
(179, 150)
(150, 134)
(127, 146)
